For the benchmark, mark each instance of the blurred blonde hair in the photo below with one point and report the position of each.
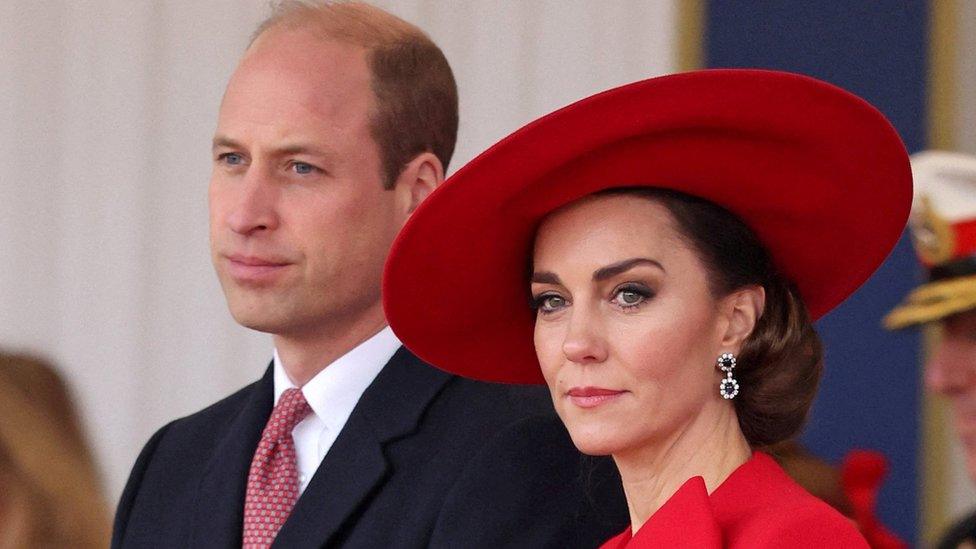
(50, 495)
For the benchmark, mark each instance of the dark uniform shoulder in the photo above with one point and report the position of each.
(959, 534)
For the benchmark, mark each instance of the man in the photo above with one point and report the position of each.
(337, 123)
(944, 232)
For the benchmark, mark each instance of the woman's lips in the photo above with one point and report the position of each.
(591, 397)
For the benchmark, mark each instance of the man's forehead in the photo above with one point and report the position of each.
(964, 316)
(279, 81)
(302, 50)
(961, 322)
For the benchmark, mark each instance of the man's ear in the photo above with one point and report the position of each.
(743, 309)
(417, 180)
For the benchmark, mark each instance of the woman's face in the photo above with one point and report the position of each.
(627, 331)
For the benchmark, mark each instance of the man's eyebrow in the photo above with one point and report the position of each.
(614, 269)
(545, 277)
(301, 148)
(221, 141)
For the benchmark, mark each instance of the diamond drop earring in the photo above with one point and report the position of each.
(728, 387)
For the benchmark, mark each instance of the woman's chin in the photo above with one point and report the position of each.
(597, 443)
(597, 432)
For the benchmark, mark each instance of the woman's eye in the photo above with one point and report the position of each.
(549, 303)
(631, 297)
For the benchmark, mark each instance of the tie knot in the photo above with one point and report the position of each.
(289, 412)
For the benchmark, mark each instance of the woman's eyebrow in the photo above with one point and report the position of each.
(546, 277)
(614, 269)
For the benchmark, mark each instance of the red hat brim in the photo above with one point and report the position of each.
(818, 173)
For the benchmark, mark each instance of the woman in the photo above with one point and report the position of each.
(50, 495)
(675, 238)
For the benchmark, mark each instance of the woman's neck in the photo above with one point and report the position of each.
(711, 445)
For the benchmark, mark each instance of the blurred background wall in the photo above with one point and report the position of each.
(107, 108)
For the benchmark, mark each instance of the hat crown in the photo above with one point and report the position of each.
(943, 219)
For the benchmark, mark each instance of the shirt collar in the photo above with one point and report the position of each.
(333, 393)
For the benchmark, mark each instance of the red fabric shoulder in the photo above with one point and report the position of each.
(685, 520)
(760, 506)
(805, 527)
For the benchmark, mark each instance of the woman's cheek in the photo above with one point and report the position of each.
(548, 347)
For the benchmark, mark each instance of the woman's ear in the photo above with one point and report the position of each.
(743, 309)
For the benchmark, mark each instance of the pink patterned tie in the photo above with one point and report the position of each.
(272, 484)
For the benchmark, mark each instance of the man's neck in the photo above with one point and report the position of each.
(303, 355)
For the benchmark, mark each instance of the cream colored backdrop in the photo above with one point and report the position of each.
(106, 113)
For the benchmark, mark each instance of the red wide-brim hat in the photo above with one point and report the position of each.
(818, 173)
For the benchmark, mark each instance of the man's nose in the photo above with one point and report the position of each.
(952, 368)
(585, 342)
(256, 205)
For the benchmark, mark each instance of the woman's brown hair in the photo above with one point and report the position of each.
(780, 363)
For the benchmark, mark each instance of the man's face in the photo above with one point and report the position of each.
(300, 224)
(952, 373)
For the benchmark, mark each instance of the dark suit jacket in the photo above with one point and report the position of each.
(426, 459)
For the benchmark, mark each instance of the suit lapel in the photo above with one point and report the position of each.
(355, 466)
(218, 517)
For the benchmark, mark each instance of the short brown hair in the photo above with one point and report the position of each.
(780, 363)
(416, 95)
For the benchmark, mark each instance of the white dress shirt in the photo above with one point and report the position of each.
(332, 394)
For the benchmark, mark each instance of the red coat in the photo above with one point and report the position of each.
(757, 507)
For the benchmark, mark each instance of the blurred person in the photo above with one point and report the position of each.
(943, 229)
(812, 473)
(339, 120)
(50, 494)
(656, 254)
(851, 488)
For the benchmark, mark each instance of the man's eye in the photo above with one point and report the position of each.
(302, 168)
(232, 159)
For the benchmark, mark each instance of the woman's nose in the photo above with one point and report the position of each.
(584, 341)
